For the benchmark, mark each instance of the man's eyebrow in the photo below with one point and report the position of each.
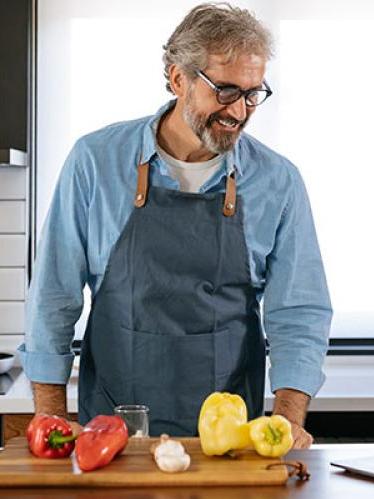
(221, 83)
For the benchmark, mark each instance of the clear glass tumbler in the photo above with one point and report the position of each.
(136, 419)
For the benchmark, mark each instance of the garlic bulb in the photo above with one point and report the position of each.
(170, 455)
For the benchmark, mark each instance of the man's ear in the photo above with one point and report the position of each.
(178, 80)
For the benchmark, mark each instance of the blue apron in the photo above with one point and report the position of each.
(176, 316)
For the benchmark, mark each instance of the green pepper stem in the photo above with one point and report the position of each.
(56, 439)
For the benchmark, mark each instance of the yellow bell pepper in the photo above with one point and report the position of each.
(223, 424)
(223, 427)
(271, 435)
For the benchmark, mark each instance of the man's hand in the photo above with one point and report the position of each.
(302, 439)
(293, 405)
(51, 399)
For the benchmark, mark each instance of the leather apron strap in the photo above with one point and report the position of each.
(230, 196)
(142, 186)
(142, 191)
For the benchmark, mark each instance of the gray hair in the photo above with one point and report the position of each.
(215, 28)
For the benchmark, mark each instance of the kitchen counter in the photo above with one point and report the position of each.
(342, 391)
(326, 482)
(18, 399)
(348, 381)
(337, 394)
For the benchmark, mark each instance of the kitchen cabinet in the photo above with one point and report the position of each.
(12, 250)
(16, 95)
(14, 253)
(12, 318)
(12, 284)
(15, 424)
(12, 217)
(14, 74)
(12, 183)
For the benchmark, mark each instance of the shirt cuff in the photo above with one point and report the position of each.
(305, 380)
(50, 368)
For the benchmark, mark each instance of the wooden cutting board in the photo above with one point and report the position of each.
(135, 467)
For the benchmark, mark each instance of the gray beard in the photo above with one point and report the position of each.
(217, 143)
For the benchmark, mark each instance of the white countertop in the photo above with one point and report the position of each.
(18, 399)
(348, 387)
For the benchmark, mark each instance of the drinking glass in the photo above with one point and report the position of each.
(136, 419)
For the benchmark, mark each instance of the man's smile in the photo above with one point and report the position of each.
(224, 123)
(227, 124)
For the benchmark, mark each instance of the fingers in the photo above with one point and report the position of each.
(303, 442)
(302, 439)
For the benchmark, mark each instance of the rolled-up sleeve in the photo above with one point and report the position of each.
(297, 308)
(55, 298)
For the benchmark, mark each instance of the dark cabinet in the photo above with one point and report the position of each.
(14, 80)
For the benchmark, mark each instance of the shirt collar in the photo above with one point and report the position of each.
(149, 143)
(232, 158)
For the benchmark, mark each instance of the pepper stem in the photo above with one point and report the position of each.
(56, 439)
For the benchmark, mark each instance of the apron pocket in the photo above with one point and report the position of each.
(170, 374)
(173, 374)
(231, 360)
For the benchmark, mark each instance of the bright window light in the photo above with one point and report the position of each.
(325, 119)
(100, 62)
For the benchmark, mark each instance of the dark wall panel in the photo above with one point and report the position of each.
(13, 73)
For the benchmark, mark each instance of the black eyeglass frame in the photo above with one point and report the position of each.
(218, 88)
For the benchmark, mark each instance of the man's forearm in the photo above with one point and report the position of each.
(291, 404)
(50, 399)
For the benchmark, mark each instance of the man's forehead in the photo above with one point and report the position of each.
(246, 62)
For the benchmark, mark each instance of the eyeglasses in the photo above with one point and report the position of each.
(227, 94)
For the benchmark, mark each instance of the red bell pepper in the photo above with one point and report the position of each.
(50, 436)
(100, 441)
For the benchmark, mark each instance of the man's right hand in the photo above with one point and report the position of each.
(51, 399)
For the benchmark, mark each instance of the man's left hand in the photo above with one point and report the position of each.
(302, 439)
(293, 405)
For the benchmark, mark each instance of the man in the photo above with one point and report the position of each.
(181, 223)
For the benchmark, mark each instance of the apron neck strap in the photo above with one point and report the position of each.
(142, 186)
(230, 196)
(142, 190)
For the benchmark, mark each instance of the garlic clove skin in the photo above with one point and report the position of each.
(169, 447)
(170, 455)
(172, 464)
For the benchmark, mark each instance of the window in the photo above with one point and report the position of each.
(320, 115)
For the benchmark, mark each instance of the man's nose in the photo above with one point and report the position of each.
(238, 109)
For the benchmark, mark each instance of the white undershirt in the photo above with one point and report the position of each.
(191, 176)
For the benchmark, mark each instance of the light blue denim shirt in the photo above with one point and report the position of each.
(91, 206)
